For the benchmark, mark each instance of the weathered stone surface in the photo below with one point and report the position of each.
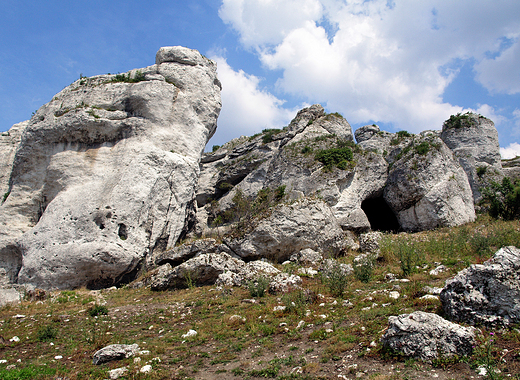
(284, 282)
(369, 242)
(511, 168)
(105, 173)
(290, 228)
(488, 293)
(186, 251)
(427, 336)
(474, 141)
(201, 270)
(307, 256)
(366, 132)
(427, 188)
(114, 352)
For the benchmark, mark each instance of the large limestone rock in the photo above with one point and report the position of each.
(486, 293)
(427, 336)
(427, 188)
(474, 141)
(105, 173)
(307, 223)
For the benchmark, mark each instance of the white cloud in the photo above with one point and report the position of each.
(511, 151)
(246, 108)
(377, 60)
(501, 74)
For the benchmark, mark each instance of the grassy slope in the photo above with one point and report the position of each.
(338, 339)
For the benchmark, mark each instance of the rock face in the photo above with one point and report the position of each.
(427, 188)
(474, 141)
(488, 293)
(104, 174)
(291, 228)
(427, 336)
(392, 181)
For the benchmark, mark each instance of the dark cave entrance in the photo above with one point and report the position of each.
(380, 215)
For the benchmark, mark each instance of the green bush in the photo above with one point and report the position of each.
(96, 310)
(296, 301)
(335, 157)
(258, 287)
(456, 121)
(503, 199)
(363, 271)
(409, 257)
(215, 148)
(400, 136)
(47, 333)
(268, 134)
(336, 278)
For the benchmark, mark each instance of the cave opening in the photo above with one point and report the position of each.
(380, 215)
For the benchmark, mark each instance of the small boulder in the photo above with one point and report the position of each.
(369, 242)
(307, 257)
(488, 293)
(114, 352)
(427, 336)
(201, 270)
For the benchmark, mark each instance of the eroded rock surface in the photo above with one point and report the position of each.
(428, 336)
(105, 173)
(487, 294)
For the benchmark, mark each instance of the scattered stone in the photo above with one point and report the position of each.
(14, 339)
(116, 373)
(114, 352)
(487, 293)
(189, 334)
(429, 297)
(395, 295)
(438, 270)
(279, 308)
(432, 290)
(369, 242)
(284, 282)
(146, 369)
(427, 336)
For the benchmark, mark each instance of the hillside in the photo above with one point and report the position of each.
(241, 337)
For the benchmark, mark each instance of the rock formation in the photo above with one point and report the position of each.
(474, 141)
(487, 294)
(427, 336)
(388, 182)
(104, 174)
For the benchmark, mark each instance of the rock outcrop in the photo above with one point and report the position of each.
(104, 174)
(474, 141)
(291, 228)
(486, 294)
(428, 336)
(389, 182)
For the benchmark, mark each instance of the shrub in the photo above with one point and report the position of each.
(96, 310)
(503, 199)
(215, 148)
(47, 333)
(409, 257)
(363, 271)
(338, 157)
(400, 136)
(336, 278)
(296, 301)
(481, 170)
(268, 134)
(258, 287)
(456, 121)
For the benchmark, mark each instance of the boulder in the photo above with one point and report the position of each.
(114, 352)
(307, 256)
(427, 187)
(427, 336)
(487, 294)
(369, 242)
(307, 223)
(186, 251)
(105, 174)
(366, 132)
(474, 141)
(200, 270)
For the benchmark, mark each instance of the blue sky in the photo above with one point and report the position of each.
(403, 64)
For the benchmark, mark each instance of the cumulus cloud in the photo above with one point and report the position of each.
(246, 108)
(378, 60)
(511, 151)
